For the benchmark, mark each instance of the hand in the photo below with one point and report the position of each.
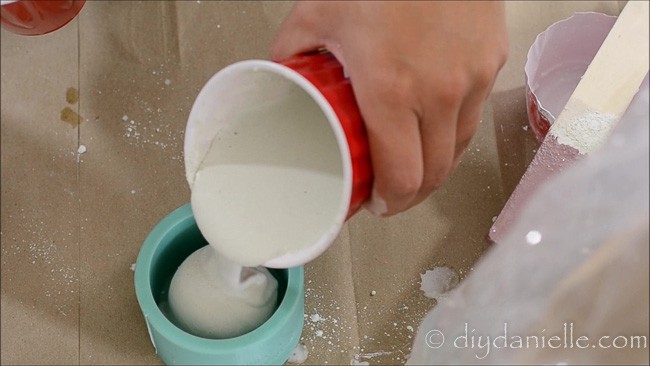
(421, 72)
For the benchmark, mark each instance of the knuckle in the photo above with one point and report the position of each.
(461, 146)
(394, 85)
(484, 78)
(504, 50)
(505, 53)
(435, 178)
(466, 130)
(452, 91)
(404, 187)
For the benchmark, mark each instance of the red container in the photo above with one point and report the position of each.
(37, 17)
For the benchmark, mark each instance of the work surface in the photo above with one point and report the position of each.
(73, 220)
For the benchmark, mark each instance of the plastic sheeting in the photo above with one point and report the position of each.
(578, 296)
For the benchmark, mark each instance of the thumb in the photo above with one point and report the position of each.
(295, 36)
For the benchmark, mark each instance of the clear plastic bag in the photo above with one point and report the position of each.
(587, 277)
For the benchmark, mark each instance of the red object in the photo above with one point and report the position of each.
(537, 119)
(36, 17)
(326, 74)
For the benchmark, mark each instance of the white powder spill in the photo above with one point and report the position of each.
(367, 356)
(81, 149)
(299, 354)
(148, 125)
(44, 249)
(438, 281)
(133, 191)
(584, 132)
(364, 326)
(533, 237)
(150, 132)
(325, 333)
(373, 354)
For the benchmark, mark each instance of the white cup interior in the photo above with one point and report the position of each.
(258, 114)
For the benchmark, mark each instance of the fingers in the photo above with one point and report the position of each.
(438, 128)
(447, 129)
(420, 116)
(472, 110)
(394, 140)
(397, 163)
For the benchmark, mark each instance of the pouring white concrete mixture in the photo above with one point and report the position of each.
(269, 184)
(212, 297)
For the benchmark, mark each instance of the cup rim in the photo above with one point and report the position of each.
(532, 54)
(327, 238)
(183, 217)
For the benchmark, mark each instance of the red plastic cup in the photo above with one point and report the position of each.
(556, 62)
(255, 84)
(37, 17)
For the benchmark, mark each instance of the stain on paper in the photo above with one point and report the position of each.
(72, 95)
(70, 117)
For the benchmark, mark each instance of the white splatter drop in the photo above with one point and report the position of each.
(438, 281)
(299, 354)
(533, 237)
(356, 362)
(81, 149)
(374, 354)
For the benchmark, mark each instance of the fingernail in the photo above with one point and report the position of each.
(376, 205)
